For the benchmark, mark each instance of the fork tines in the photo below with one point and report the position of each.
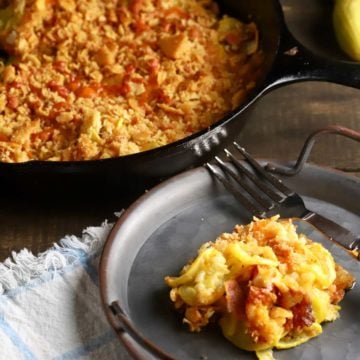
(252, 206)
(234, 173)
(271, 178)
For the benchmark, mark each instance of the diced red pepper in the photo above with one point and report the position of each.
(130, 68)
(14, 85)
(86, 92)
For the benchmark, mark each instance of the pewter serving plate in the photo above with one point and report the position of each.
(160, 232)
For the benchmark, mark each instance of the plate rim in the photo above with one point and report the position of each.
(130, 344)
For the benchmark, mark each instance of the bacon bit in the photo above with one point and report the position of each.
(52, 85)
(59, 66)
(96, 86)
(152, 82)
(303, 314)
(35, 90)
(14, 85)
(134, 121)
(135, 7)
(139, 27)
(160, 96)
(122, 14)
(123, 89)
(61, 90)
(235, 300)
(73, 85)
(3, 137)
(254, 271)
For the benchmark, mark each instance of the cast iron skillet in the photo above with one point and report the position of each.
(287, 61)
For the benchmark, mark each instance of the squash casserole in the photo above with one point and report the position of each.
(95, 79)
(267, 286)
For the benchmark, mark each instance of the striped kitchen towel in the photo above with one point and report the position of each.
(50, 305)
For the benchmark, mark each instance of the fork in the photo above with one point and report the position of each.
(265, 195)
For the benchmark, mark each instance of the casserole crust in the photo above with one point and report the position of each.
(91, 79)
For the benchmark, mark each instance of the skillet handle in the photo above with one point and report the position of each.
(295, 63)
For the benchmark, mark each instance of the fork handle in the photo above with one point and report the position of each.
(335, 232)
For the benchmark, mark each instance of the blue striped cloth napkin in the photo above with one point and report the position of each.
(50, 305)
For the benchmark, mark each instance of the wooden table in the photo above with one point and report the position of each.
(277, 128)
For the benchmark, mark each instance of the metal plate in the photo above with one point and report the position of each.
(163, 230)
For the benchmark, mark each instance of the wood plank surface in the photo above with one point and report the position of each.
(283, 119)
(277, 128)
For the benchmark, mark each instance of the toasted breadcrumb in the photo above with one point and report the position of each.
(91, 79)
